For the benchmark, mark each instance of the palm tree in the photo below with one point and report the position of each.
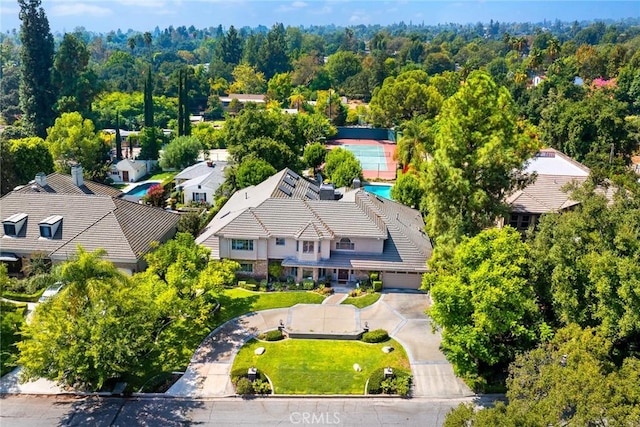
(131, 42)
(553, 48)
(296, 100)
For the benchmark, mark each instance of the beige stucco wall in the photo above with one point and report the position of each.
(362, 245)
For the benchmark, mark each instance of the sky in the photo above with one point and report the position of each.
(144, 15)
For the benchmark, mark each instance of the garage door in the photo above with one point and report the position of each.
(401, 280)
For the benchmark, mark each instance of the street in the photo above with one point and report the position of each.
(34, 411)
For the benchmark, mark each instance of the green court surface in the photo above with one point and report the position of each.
(371, 157)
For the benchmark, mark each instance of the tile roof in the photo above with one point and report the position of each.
(554, 171)
(264, 211)
(124, 229)
(63, 184)
(201, 169)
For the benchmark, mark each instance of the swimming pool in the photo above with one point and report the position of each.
(141, 189)
(383, 190)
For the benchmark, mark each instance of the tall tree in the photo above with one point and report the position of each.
(148, 99)
(184, 125)
(30, 156)
(272, 55)
(485, 303)
(480, 150)
(36, 57)
(118, 138)
(73, 81)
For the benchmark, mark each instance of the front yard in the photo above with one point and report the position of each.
(298, 366)
(155, 370)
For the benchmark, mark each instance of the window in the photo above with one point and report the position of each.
(246, 268)
(279, 241)
(10, 229)
(319, 247)
(241, 245)
(45, 231)
(199, 197)
(513, 221)
(307, 247)
(524, 221)
(345, 244)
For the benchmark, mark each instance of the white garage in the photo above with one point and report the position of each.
(401, 279)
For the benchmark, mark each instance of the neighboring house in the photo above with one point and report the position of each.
(199, 182)
(128, 170)
(554, 171)
(635, 164)
(537, 80)
(243, 98)
(56, 213)
(319, 232)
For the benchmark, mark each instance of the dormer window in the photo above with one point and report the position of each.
(13, 225)
(49, 226)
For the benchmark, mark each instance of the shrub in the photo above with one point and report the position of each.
(274, 335)
(248, 286)
(275, 270)
(375, 336)
(261, 387)
(374, 276)
(308, 285)
(323, 290)
(355, 293)
(399, 384)
(377, 285)
(244, 386)
(277, 286)
(264, 285)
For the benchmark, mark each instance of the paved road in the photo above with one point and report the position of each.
(36, 411)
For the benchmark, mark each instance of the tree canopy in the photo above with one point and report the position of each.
(181, 152)
(342, 167)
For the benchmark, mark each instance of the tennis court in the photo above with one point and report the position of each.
(371, 157)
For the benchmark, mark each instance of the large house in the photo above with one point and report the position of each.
(56, 213)
(553, 170)
(317, 232)
(199, 182)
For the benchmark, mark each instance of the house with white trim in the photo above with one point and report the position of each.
(314, 231)
(127, 170)
(199, 182)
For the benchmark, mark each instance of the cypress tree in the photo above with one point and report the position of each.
(148, 100)
(118, 138)
(180, 103)
(36, 56)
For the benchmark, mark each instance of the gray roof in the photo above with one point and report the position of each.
(256, 213)
(554, 171)
(124, 229)
(202, 169)
(63, 184)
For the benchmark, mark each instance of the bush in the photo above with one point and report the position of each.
(375, 336)
(274, 335)
(308, 285)
(399, 384)
(377, 285)
(244, 386)
(355, 293)
(278, 286)
(264, 285)
(374, 276)
(261, 387)
(323, 290)
(248, 286)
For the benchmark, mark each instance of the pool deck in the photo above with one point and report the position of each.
(389, 148)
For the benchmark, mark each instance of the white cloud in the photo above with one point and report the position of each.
(143, 3)
(298, 4)
(359, 17)
(79, 9)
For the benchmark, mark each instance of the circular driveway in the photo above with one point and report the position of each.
(401, 314)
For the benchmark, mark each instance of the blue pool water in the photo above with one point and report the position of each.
(380, 190)
(140, 190)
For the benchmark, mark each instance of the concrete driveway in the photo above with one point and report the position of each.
(402, 314)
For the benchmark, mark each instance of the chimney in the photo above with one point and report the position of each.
(327, 192)
(41, 179)
(76, 175)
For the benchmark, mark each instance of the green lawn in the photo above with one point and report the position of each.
(235, 302)
(161, 176)
(297, 366)
(362, 301)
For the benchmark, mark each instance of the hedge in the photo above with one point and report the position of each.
(274, 335)
(375, 336)
(16, 296)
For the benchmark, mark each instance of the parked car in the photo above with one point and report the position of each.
(51, 291)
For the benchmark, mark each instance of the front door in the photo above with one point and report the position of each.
(343, 276)
(125, 176)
